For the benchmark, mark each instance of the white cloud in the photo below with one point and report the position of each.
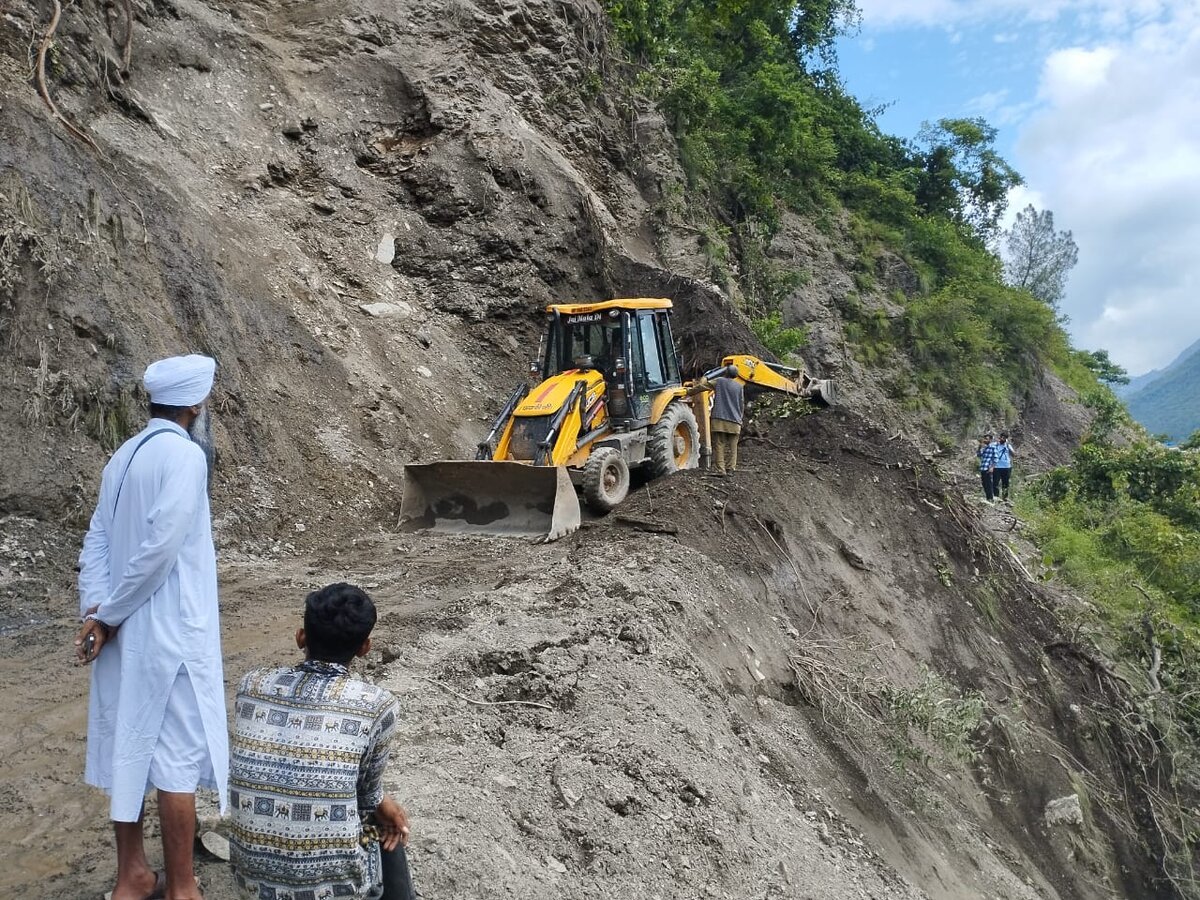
(1075, 72)
(1110, 143)
(1114, 152)
(1113, 16)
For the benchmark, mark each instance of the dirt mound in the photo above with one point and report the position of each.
(816, 678)
(824, 677)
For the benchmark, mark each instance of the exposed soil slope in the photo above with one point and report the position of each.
(359, 209)
(680, 733)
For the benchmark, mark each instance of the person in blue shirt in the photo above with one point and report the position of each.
(986, 452)
(1003, 471)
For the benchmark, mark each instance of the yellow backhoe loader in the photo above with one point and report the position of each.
(609, 398)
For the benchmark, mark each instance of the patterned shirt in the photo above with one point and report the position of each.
(987, 457)
(309, 748)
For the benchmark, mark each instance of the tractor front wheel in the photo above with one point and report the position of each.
(674, 441)
(605, 479)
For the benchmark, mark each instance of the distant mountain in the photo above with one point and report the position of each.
(1136, 383)
(1167, 401)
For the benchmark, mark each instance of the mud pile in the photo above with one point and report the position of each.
(823, 678)
(724, 689)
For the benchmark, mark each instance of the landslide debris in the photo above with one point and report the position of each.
(822, 678)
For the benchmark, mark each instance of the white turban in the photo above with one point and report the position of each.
(180, 380)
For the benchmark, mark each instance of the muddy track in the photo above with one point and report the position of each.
(618, 713)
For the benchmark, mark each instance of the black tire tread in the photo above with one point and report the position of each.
(593, 480)
(660, 448)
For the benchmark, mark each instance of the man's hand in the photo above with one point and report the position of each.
(393, 823)
(91, 640)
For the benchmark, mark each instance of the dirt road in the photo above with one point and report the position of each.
(621, 713)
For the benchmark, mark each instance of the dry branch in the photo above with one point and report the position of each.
(40, 76)
(646, 525)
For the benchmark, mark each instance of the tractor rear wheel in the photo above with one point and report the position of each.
(605, 479)
(673, 442)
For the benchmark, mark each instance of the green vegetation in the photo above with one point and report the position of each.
(931, 712)
(765, 126)
(1168, 403)
(783, 342)
(1122, 524)
(923, 723)
(1037, 258)
(1135, 508)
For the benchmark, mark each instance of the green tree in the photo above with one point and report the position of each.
(962, 176)
(1037, 258)
(1106, 370)
(781, 340)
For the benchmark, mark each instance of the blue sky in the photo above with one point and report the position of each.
(1097, 103)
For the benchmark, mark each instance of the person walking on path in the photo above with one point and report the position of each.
(726, 418)
(310, 746)
(1003, 472)
(986, 452)
(148, 598)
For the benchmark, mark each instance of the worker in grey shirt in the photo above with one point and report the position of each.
(726, 416)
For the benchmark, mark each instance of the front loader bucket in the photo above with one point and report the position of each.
(823, 392)
(486, 497)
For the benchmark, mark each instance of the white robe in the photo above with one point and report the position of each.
(152, 570)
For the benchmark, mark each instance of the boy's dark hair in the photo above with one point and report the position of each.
(337, 619)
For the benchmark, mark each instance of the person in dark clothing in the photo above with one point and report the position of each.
(726, 417)
(986, 452)
(1003, 472)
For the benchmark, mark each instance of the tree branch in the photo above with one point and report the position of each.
(449, 690)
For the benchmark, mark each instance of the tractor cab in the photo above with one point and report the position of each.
(627, 341)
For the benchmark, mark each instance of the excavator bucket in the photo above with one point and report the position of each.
(823, 392)
(486, 497)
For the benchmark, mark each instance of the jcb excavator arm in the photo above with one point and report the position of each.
(761, 374)
(776, 377)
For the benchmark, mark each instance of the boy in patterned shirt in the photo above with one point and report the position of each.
(310, 745)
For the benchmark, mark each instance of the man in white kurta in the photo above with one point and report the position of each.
(148, 592)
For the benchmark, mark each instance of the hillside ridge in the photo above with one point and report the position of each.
(831, 680)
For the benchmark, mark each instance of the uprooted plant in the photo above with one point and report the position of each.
(916, 722)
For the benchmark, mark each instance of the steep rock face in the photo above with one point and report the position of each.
(359, 209)
(268, 171)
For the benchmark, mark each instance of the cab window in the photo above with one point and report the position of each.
(652, 374)
(667, 348)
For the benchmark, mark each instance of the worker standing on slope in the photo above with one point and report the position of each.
(726, 425)
(148, 595)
